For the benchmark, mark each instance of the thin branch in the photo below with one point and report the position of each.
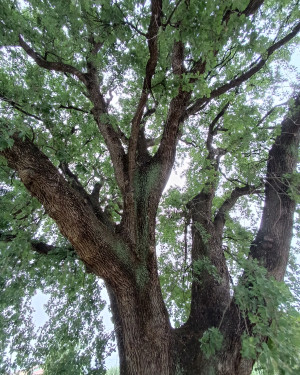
(36, 245)
(193, 109)
(231, 201)
(72, 107)
(212, 130)
(168, 22)
(269, 113)
(135, 28)
(56, 66)
(19, 108)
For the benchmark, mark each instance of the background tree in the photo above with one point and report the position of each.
(97, 99)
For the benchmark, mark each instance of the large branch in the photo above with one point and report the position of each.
(215, 93)
(94, 242)
(165, 154)
(272, 243)
(152, 38)
(178, 111)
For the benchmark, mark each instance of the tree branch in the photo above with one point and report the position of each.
(212, 130)
(229, 203)
(251, 8)
(193, 109)
(19, 108)
(72, 107)
(56, 66)
(270, 112)
(168, 22)
(90, 80)
(272, 243)
(152, 38)
(36, 245)
(93, 241)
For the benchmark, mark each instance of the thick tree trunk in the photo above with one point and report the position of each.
(143, 331)
(148, 345)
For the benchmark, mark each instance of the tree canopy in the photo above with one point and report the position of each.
(99, 101)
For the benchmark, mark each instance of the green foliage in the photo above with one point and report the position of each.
(211, 342)
(74, 307)
(268, 307)
(204, 266)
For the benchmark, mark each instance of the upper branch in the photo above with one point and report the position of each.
(91, 81)
(152, 38)
(166, 152)
(251, 8)
(57, 66)
(228, 204)
(212, 130)
(193, 109)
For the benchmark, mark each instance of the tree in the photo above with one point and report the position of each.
(100, 100)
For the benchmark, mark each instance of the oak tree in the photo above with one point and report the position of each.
(100, 100)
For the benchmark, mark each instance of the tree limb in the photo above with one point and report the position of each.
(272, 243)
(251, 8)
(90, 80)
(36, 245)
(212, 130)
(56, 66)
(93, 240)
(270, 112)
(229, 203)
(72, 107)
(19, 108)
(152, 38)
(193, 109)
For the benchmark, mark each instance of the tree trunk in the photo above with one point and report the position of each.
(148, 345)
(143, 331)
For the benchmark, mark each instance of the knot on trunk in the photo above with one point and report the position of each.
(27, 176)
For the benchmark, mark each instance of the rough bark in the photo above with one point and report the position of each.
(272, 243)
